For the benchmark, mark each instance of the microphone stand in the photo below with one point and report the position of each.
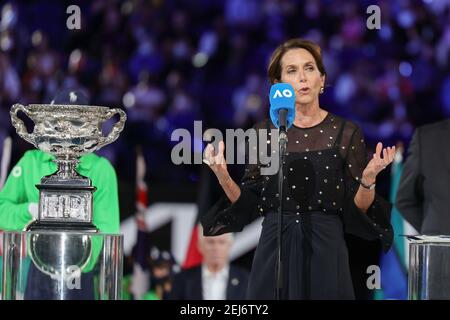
(282, 141)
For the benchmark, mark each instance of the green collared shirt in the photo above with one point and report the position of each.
(20, 190)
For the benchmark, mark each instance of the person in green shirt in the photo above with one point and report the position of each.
(19, 197)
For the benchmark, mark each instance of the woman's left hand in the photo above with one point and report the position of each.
(378, 163)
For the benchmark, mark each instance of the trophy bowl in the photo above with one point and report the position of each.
(47, 256)
(67, 131)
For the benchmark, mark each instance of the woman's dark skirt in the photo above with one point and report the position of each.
(315, 258)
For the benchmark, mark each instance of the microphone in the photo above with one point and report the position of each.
(282, 106)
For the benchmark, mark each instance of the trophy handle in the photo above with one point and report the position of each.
(117, 128)
(18, 124)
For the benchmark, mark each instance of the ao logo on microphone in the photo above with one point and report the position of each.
(283, 93)
(282, 97)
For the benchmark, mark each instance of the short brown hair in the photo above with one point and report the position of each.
(274, 69)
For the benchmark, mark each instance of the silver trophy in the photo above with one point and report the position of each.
(68, 132)
(67, 251)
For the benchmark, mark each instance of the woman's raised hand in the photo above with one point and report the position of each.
(380, 160)
(216, 162)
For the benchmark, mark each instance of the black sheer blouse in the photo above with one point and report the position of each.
(323, 166)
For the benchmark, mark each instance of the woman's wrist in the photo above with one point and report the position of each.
(224, 179)
(368, 182)
(231, 189)
(368, 179)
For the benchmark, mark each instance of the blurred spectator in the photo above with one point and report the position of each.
(144, 101)
(244, 14)
(10, 85)
(248, 104)
(163, 268)
(215, 279)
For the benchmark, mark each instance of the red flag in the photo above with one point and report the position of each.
(193, 255)
(141, 195)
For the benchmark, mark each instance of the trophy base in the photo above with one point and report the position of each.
(62, 226)
(54, 265)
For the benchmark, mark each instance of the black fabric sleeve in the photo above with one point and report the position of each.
(225, 216)
(375, 223)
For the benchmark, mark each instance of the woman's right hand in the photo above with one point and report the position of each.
(217, 162)
(218, 165)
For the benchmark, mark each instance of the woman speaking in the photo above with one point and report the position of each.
(329, 188)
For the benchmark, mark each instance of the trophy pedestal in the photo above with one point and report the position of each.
(65, 205)
(429, 268)
(61, 265)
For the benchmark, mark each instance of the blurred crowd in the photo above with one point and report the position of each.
(170, 62)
